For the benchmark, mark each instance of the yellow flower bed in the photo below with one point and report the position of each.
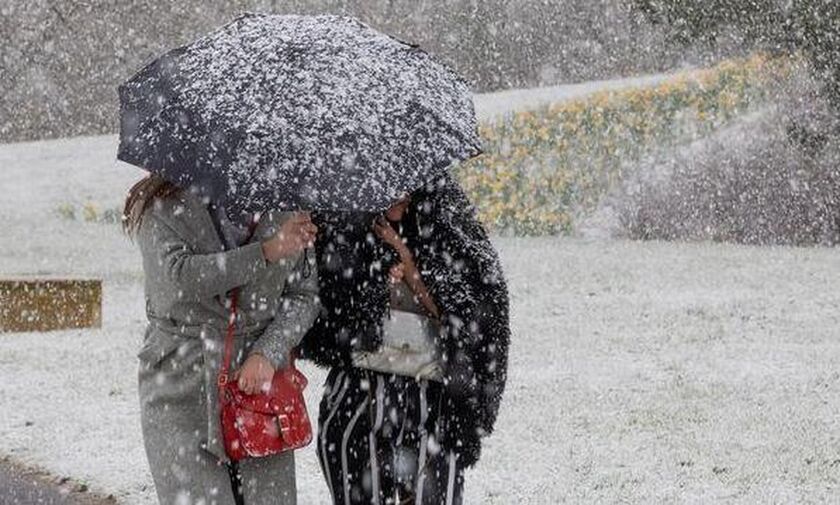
(541, 168)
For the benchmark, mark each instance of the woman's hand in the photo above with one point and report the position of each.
(388, 235)
(296, 234)
(397, 273)
(406, 269)
(255, 375)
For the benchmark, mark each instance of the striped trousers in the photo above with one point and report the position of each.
(377, 441)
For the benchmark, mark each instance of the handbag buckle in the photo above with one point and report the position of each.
(285, 424)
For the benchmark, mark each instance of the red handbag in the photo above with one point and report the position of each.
(265, 423)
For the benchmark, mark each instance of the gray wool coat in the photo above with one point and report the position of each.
(187, 276)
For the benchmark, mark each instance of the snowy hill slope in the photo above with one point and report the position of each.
(489, 106)
(640, 372)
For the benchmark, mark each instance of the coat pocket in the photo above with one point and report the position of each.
(157, 346)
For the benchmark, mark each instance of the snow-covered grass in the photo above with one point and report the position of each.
(639, 373)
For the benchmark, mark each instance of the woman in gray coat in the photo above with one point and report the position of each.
(193, 255)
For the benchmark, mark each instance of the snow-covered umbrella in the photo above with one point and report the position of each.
(297, 112)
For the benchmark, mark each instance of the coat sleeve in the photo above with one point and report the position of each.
(460, 333)
(196, 275)
(298, 309)
(460, 284)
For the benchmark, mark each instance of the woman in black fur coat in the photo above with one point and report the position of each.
(386, 436)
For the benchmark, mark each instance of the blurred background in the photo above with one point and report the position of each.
(67, 58)
(660, 177)
(730, 88)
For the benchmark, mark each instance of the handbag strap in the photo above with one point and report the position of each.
(224, 375)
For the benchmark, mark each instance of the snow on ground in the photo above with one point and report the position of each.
(639, 373)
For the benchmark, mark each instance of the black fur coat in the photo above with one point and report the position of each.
(463, 274)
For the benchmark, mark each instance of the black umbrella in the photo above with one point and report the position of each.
(297, 112)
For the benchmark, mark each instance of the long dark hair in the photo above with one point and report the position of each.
(140, 196)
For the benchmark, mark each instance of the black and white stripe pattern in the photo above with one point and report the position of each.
(377, 441)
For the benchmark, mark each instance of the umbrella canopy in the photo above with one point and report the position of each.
(297, 112)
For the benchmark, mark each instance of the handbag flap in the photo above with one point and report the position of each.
(286, 390)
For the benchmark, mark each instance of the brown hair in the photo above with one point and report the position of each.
(143, 193)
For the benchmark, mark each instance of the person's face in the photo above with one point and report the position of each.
(396, 212)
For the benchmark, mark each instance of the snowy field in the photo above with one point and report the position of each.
(640, 372)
